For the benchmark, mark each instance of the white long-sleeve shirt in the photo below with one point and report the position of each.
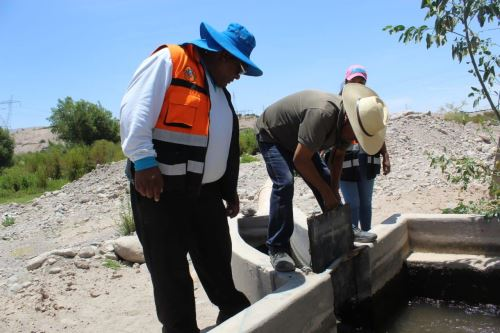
(141, 106)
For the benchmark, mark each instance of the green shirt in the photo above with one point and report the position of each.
(309, 117)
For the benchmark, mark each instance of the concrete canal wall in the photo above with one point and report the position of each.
(303, 301)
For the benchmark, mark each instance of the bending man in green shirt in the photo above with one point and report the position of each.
(290, 134)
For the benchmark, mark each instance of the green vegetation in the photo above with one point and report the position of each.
(8, 221)
(112, 264)
(248, 142)
(245, 158)
(465, 117)
(48, 170)
(6, 147)
(463, 171)
(126, 225)
(488, 208)
(469, 23)
(83, 122)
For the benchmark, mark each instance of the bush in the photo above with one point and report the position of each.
(83, 122)
(76, 163)
(16, 179)
(248, 142)
(490, 208)
(48, 170)
(49, 160)
(103, 151)
(465, 117)
(6, 147)
(463, 171)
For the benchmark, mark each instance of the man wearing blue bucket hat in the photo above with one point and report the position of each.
(180, 134)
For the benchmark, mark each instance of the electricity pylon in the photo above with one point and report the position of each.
(9, 104)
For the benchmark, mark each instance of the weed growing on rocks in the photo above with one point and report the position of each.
(246, 158)
(8, 221)
(112, 264)
(126, 225)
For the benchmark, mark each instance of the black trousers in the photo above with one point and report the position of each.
(170, 229)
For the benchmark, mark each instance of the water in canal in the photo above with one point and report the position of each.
(428, 302)
(425, 315)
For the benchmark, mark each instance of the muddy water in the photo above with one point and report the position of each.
(425, 315)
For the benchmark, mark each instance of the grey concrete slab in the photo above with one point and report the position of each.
(453, 233)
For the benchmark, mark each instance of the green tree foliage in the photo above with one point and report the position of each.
(468, 22)
(83, 122)
(6, 147)
(463, 171)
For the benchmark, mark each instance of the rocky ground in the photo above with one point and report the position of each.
(52, 272)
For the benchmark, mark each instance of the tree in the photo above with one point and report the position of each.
(6, 147)
(83, 122)
(462, 19)
(458, 18)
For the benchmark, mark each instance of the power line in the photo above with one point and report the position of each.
(9, 104)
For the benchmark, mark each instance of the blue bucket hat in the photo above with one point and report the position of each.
(236, 40)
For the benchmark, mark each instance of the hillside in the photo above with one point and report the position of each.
(32, 139)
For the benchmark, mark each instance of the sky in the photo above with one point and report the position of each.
(89, 49)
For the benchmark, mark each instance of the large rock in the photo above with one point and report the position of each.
(66, 253)
(37, 261)
(129, 248)
(87, 252)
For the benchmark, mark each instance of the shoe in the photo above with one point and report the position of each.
(222, 317)
(282, 262)
(227, 313)
(363, 236)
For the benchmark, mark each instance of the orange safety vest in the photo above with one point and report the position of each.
(180, 136)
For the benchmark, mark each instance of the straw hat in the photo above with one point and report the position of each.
(367, 114)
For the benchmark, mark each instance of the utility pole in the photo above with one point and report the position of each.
(9, 104)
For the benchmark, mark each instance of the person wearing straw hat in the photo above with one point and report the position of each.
(290, 134)
(180, 134)
(359, 171)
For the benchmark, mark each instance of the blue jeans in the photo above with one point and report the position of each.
(280, 167)
(358, 194)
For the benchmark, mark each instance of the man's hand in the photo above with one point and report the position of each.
(233, 207)
(149, 183)
(336, 193)
(386, 163)
(331, 200)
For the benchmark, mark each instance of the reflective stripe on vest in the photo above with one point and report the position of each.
(373, 159)
(181, 169)
(180, 136)
(350, 163)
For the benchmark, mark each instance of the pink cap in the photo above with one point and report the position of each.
(356, 70)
